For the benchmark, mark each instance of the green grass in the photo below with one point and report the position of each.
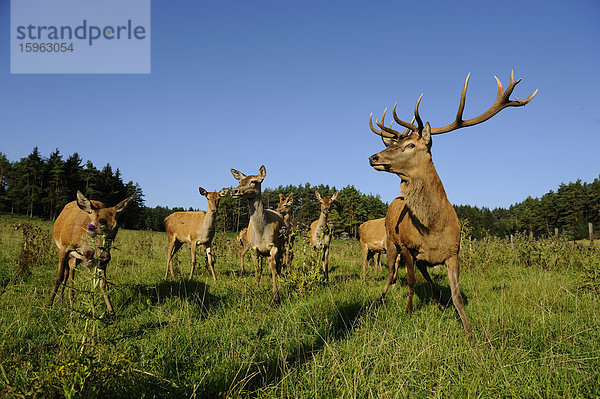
(535, 324)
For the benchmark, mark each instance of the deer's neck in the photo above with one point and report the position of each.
(320, 229)
(426, 198)
(208, 224)
(257, 213)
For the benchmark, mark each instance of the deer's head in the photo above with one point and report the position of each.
(249, 186)
(102, 226)
(326, 201)
(213, 198)
(285, 203)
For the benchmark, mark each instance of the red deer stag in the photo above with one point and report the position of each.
(84, 231)
(265, 225)
(195, 228)
(320, 231)
(422, 225)
(373, 240)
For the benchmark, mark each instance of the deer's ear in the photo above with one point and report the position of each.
(318, 195)
(426, 135)
(237, 174)
(262, 173)
(223, 192)
(121, 205)
(202, 191)
(334, 196)
(83, 203)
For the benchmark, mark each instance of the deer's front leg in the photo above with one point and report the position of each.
(193, 245)
(273, 265)
(257, 259)
(103, 284)
(210, 261)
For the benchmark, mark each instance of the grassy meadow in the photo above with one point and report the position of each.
(534, 307)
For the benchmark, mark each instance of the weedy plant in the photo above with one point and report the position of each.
(36, 249)
(306, 275)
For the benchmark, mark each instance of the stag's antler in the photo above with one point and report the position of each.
(385, 131)
(502, 101)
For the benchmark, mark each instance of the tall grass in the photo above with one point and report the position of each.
(533, 307)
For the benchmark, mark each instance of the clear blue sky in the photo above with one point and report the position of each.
(291, 84)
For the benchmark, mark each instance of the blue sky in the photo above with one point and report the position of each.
(291, 84)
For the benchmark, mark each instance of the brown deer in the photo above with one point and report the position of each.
(84, 231)
(284, 207)
(422, 225)
(264, 230)
(242, 241)
(373, 241)
(320, 231)
(195, 228)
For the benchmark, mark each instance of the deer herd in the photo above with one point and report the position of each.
(420, 227)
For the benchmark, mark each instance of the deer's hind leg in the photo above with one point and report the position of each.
(174, 245)
(457, 299)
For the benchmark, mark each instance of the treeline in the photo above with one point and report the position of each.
(349, 210)
(40, 186)
(569, 209)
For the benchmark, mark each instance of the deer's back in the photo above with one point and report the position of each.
(185, 226)
(372, 234)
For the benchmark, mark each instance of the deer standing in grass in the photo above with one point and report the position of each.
(242, 241)
(264, 229)
(84, 231)
(422, 226)
(373, 241)
(195, 228)
(321, 232)
(284, 207)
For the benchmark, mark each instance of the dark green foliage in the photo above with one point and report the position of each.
(569, 209)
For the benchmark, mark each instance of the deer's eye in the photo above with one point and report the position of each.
(410, 145)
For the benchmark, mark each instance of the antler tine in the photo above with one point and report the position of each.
(502, 101)
(409, 126)
(463, 97)
(381, 133)
(395, 133)
(417, 116)
(407, 130)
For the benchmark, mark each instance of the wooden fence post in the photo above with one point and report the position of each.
(591, 230)
(556, 233)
